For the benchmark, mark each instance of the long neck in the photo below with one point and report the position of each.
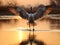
(31, 9)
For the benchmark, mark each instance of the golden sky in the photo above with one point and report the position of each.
(27, 2)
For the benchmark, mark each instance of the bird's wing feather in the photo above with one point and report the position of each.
(43, 10)
(22, 13)
(48, 10)
(39, 13)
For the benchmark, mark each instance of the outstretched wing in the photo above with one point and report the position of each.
(22, 12)
(41, 12)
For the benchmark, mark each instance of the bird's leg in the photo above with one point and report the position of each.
(33, 30)
(30, 39)
(29, 27)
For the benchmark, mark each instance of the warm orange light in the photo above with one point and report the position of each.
(20, 33)
(23, 35)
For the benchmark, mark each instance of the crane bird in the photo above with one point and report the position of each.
(31, 17)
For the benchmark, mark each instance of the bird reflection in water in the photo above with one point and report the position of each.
(32, 41)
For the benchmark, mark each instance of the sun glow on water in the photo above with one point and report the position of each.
(20, 33)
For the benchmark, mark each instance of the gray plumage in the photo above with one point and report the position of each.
(31, 17)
